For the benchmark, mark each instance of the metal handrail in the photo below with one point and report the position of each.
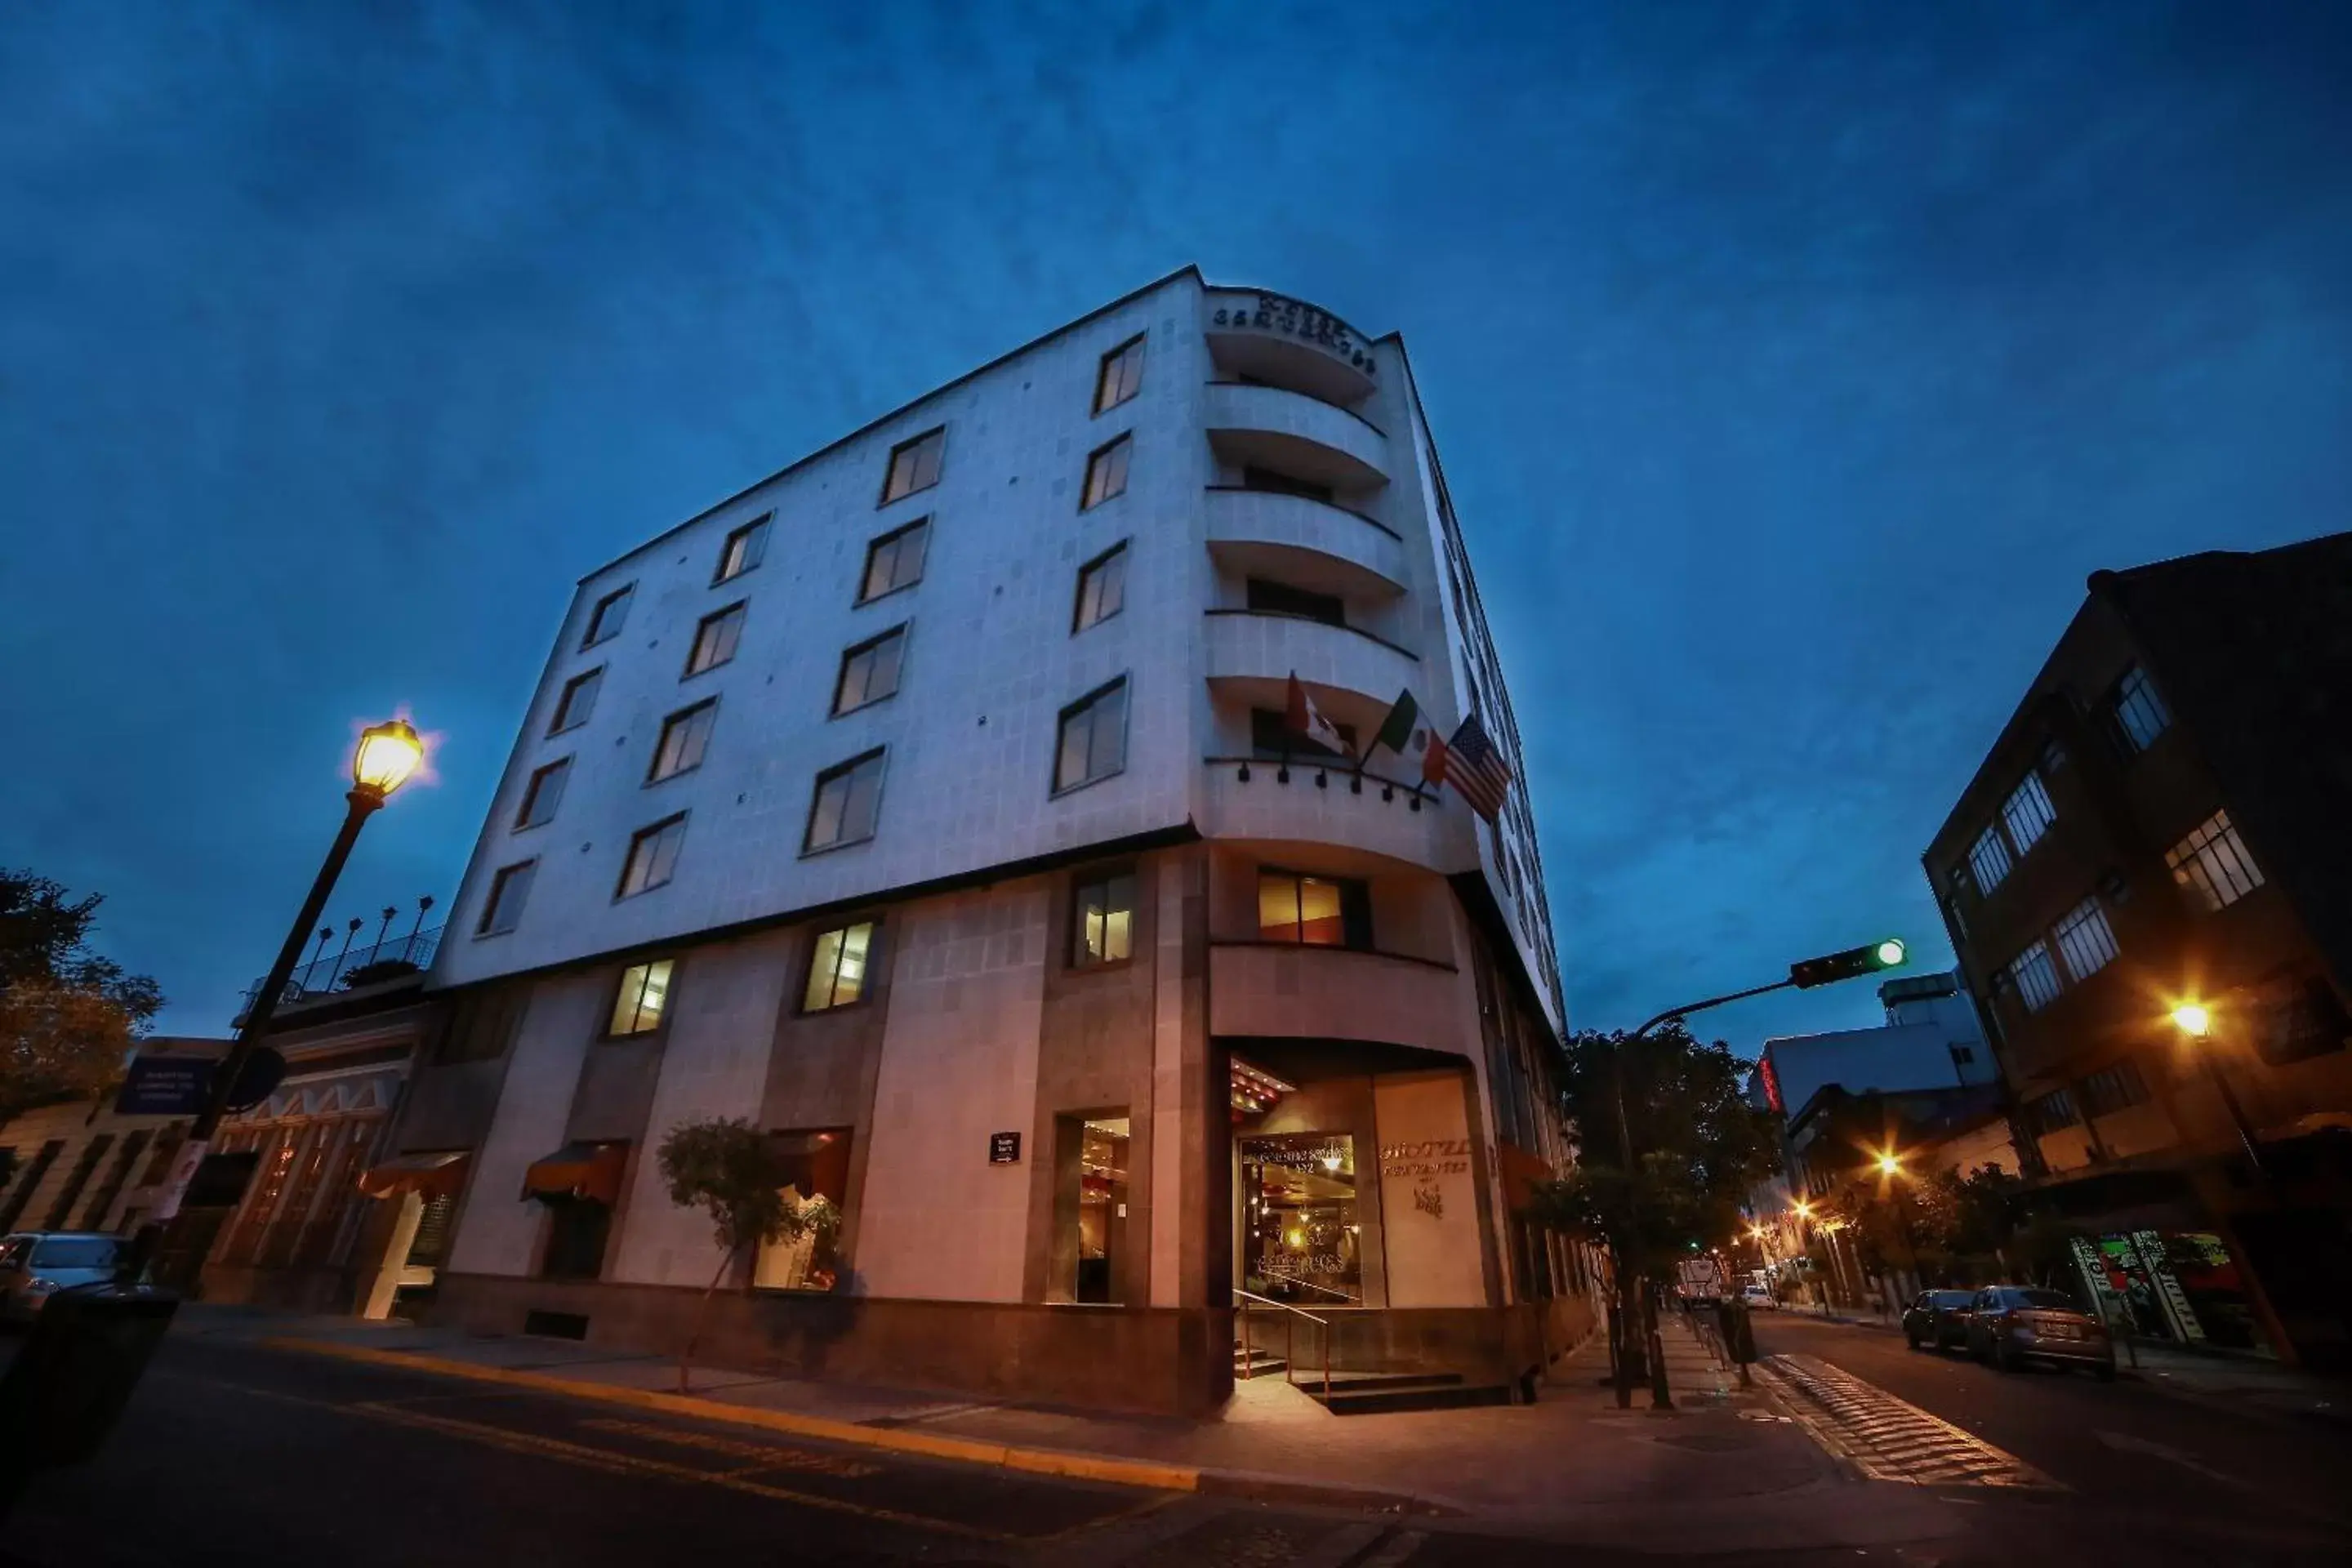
(1310, 1285)
(1289, 1354)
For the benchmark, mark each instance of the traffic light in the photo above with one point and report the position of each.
(1847, 965)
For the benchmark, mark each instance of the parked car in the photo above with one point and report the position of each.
(2010, 1326)
(1758, 1296)
(36, 1264)
(1938, 1318)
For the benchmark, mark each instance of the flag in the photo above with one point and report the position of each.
(1474, 767)
(1396, 730)
(1304, 717)
(1432, 756)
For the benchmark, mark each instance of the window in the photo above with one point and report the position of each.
(2085, 938)
(895, 561)
(2051, 1112)
(744, 549)
(1272, 737)
(1958, 922)
(2139, 714)
(2212, 863)
(1102, 588)
(1963, 1055)
(578, 701)
(2028, 812)
(914, 465)
(1121, 376)
(508, 889)
(577, 1229)
(543, 794)
(653, 856)
(685, 737)
(837, 967)
(813, 1164)
(645, 991)
(869, 672)
(1283, 485)
(715, 639)
(1102, 919)
(604, 620)
(2053, 758)
(1988, 860)
(1281, 599)
(482, 1024)
(844, 807)
(1107, 473)
(1093, 743)
(2113, 1088)
(1319, 911)
(2036, 977)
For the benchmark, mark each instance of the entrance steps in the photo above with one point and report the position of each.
(1373, 1392)
(1255, 1363)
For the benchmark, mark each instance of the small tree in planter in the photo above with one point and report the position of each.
(726, 1168)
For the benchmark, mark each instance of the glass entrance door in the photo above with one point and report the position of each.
(1300, 1239)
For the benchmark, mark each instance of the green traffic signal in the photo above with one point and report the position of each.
(1848, 965)
(1890, 952)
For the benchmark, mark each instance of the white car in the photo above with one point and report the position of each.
(37, 1264)
(1758, 1296)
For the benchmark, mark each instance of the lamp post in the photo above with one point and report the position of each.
(386, 756)
(2196, 1021)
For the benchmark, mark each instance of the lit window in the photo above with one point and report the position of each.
(644, 988)
(1102, 588)
(2139, 713)
(1121, 376)
(508, 889)
(2214, 864)
(579, 700)
(869, 672)
(1318, 911)
(1093, 743)
(837, 967)
(895, 561)
(715, 639)
(1107, 473)
(2036, 977)
(685, 737)
(846, 804)
(1988, 859)
(743, 550)
(2085, 938)
(914, 465)
(1102, 919)
(2028, 812)
(653, 857)
(604, 620)
(543, 794)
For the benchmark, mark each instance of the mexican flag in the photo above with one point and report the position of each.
(1406, 731)
(1304, 717)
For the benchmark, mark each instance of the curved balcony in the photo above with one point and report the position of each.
(1309, 544)
(1291, 433)
(1250, 799)
(1252, 654)
(1284, 990)
(1289, 342)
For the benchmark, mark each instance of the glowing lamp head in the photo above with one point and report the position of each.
(388, 754)
(1891, 952)
(2193, 1020)
(1889, 1164)
(1804, 1211)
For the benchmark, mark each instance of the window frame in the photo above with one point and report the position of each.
(1118, 683)
(865, 569)
(598, 631)
(2016, 969)
(2134, 690)
(528, 870)
(654, 775)
(1098, 462)
(741, 610)
(2036, 792)
(621, 888)
(1106, 878)
(1355, 910)
(2193, 872)
(897, 673)
(1118, 552)
(844, 769)
(2067, 933)
(872, 957)
(1102, 369)
(890, 467)
(755, 531)
(561, 770)
(556, 724)
(621, 981)
(1990, 845)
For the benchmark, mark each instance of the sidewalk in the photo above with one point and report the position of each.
(1720, 1472)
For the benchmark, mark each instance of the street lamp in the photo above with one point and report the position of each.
(386, 757)
(2194, 1020)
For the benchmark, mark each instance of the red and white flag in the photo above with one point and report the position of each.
(1302, 718)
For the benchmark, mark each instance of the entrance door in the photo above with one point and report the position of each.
(1301, 1241)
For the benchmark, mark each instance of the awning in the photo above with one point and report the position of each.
(438, 1174)
(588, 1170)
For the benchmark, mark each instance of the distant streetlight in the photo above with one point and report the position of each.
(2194, 1020)
(1890, 1163)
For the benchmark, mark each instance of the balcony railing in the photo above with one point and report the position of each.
(323, 976)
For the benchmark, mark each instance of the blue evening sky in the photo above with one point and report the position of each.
(1792, 364)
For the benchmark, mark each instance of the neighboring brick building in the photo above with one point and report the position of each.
(2164, 820)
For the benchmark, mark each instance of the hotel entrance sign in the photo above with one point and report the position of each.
(1005, 1148)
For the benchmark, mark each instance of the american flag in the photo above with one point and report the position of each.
(1474, 767)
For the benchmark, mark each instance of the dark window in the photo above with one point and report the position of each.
(543, 794)
(715, 639)
(869, 672)
(744, 549)
(2304, 1021)
(653, 857)
(2137, 713)
(848, 799)
(604, 620)
(1107, 473)
(2051, 1112)
(685, 738)
(576, 1233)
(895, 561)
(1281, 599)
(1319, 911)
(1102, 919)
(1964, 1056)
(1092, 743)
(578, 701)
(1271, 737)
(644, 995)
(1120, 376)
(1102, 588)
(61, 1211)
(482, 1024)
(509, 891)
(2113, 1088)
(914, 465)
(1283, 485)
(838, 960)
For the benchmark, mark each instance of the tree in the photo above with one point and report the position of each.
(1699, 1148)
(727, 1168)
(67, 1016)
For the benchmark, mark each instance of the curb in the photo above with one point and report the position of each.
(923, 1445)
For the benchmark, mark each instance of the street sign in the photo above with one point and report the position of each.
(164, 1086)
(1005, 1148)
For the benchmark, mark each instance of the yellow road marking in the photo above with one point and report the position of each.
(769, 1456)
